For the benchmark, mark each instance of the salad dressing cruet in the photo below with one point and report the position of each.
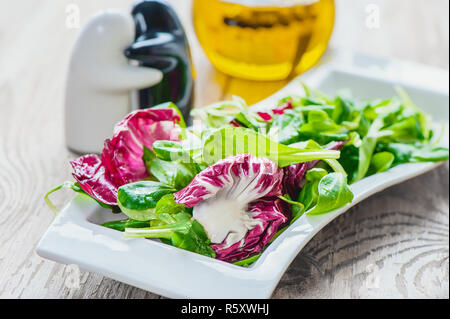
(263, 39)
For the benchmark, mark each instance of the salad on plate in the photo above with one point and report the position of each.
(233, 182)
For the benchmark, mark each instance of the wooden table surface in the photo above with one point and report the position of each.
(393, 245)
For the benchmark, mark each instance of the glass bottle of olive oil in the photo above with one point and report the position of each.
(263, 39)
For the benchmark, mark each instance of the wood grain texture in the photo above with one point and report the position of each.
(393, 245)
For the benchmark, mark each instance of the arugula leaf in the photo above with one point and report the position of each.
(312, 145)
(232, 141)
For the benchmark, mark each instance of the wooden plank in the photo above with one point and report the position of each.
(399, 237)
(393, 245)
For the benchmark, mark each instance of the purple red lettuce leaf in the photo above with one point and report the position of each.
(247, 184)
(121, 160)
(269, 213)
(265, 116)
(263, 177)
(281, 109)
(122, 155)
(90, 174)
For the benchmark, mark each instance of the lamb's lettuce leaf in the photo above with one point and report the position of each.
(320, 121)
(138, 200)
(381, 162)
(286, 127)
(324, 192)
(406, 153)
(176, 174)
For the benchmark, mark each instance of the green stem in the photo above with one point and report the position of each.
(121, 225)
(47, 200)
(306, 156)
(248, 261)
(147, 233)
(164, 231)
(336, 166)
(167, 218)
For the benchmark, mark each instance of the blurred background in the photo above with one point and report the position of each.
(415, 30)
(36, 38)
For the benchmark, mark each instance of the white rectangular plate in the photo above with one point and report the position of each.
(75, 236)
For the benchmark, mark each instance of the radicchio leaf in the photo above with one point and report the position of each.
(235, 123)
(256, 177)
(270, 217)
(231, 201)
(281, 109)
(265, 116)
(92, 177)
(121, 160)
(122, 155)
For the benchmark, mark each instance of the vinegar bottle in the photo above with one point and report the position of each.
(263, 39)
(161, 43)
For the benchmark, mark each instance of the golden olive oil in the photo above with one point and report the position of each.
(263, 39)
